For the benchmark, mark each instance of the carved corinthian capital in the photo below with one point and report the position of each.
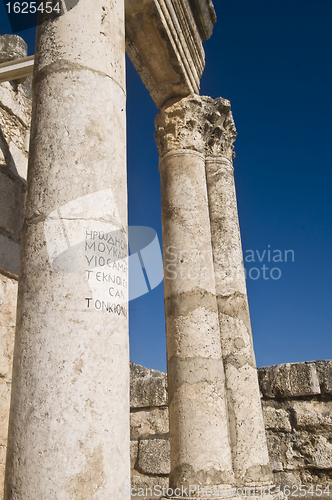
(197, 123)
(219, 128)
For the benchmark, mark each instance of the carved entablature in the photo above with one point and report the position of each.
(164, 40)
(198, 123)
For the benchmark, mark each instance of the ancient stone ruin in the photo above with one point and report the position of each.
(297, 411)
(214, 424)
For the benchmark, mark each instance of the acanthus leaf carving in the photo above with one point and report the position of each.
(198, 123)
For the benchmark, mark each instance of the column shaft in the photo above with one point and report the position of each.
(200, 450)
(69, 421)
(247, 431)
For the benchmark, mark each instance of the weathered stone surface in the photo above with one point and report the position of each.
(298, 450)
(197, 123)
(4, 411)
(247, 430)
(298, 456)
(277, 450)
(11, 204)
(247, 426)
(276, 419)
(146, 423)
(289, 379)
(139, 371)
(147, 387)
(3, 451)
(15, 113)
(9, 255)
(8, 298)
(290, 483)
(12, 47)
(315, 451)
(324, 369)
(328, 377)
(20, 107)
(18, 161)
(26, 88)
(154, 456)
(71, 357)
(2, 156)
(288, 480)
(313, 415)
(133, 453)
(197, 401)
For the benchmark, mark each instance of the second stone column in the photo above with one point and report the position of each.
(247, 431)
(200, 449)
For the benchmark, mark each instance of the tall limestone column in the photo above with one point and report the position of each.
(247, 432)
(69, 421)
(200, 449)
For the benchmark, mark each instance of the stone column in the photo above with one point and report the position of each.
(247, 432)
(69, 421)
(200, 450)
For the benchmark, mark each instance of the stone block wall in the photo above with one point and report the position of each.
(15, 114)
(149, 428)
(297, 409)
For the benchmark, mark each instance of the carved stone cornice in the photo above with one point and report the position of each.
(198, 123)
(164, 40)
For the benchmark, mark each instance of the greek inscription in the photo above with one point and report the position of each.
(101, 305)
(106, 269)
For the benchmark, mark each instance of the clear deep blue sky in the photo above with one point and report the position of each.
(272, 60)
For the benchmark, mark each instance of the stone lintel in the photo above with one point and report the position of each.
(164, 41)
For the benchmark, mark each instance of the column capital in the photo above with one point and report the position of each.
(220, 131)
(197, 123)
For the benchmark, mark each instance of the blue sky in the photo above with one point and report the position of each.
(272, 60)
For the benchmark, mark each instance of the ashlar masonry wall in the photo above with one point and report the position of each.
(297, 408)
